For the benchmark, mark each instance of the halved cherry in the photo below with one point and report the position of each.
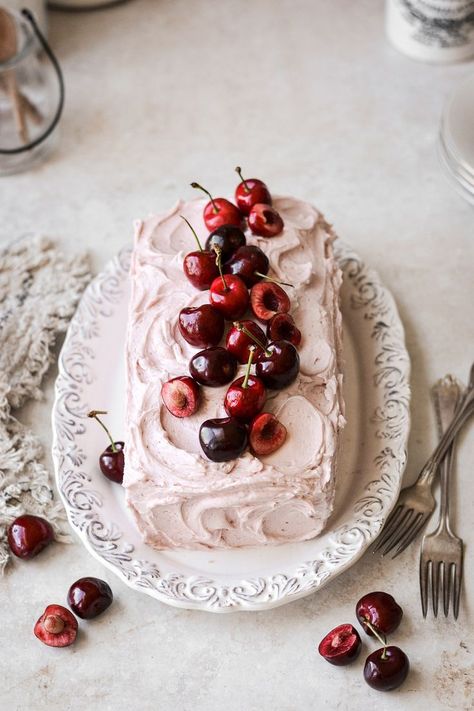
(181, 396)
(266, 434)
(268, 299)
(282, 327)
(265, 221)
(57, 627)
(341, 645)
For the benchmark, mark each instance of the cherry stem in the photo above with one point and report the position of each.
(94, 415)
(272, 279)
(218, 252)
(238, 170)
(250, 335)
(375, 632)
(249, 365)
(193, 231)
(199, 187)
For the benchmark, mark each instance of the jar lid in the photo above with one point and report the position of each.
(456, 141)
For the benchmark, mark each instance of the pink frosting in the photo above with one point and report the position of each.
(178, 497)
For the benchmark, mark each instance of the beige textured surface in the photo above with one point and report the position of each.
(308, 95)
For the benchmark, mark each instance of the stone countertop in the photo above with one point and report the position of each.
(308, 95)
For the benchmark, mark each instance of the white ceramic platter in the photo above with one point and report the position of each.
(370, 467)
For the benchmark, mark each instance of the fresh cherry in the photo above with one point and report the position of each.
(278, 365)
(57, 627)
(111, 461)
(28, 535)
(219, 211)
(249, 263)
(213, 366)
(89, 597)
(268, 299)
(266, 434)
(228, 294)
(386, 668)
(265, 221)
(228, 238)
(341, 645)
(242, 336)
(201, 326)
(379, 610)
(181, 396)
(223, 439)
(249, 192)
(200, 267)
(246, 395)
(281, 327)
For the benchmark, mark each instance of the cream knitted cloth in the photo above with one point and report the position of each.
(39, 290)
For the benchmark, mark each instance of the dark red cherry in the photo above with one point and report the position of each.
(200, 266)
(249, 263)
(219, 211)
(281, 327)
(201, 326)
(249, 192)
(228, 238)
(380, 610)
(386, 669)
(278, 365)
(238, 342)
(268, 299)
(28, 535)
(223, 439)
(57, 627)
(230, 296)
(341, 645)
(246, 395)
(89, 597)
(111, 461)
(265, 221)
(213, 367)
(266, 434)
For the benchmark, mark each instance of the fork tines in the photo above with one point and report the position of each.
(403, 525)
(449, 575)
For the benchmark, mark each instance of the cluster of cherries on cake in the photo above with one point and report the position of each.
(236, 275)
(379, 615)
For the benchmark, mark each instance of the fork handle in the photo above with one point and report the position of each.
(447, 396)
(465, 410)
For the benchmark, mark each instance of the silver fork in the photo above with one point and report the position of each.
(441, 554)
(416, 503)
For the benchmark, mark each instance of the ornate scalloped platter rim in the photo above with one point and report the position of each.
(95, 507)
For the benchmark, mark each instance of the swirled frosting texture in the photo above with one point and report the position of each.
(179, 498)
